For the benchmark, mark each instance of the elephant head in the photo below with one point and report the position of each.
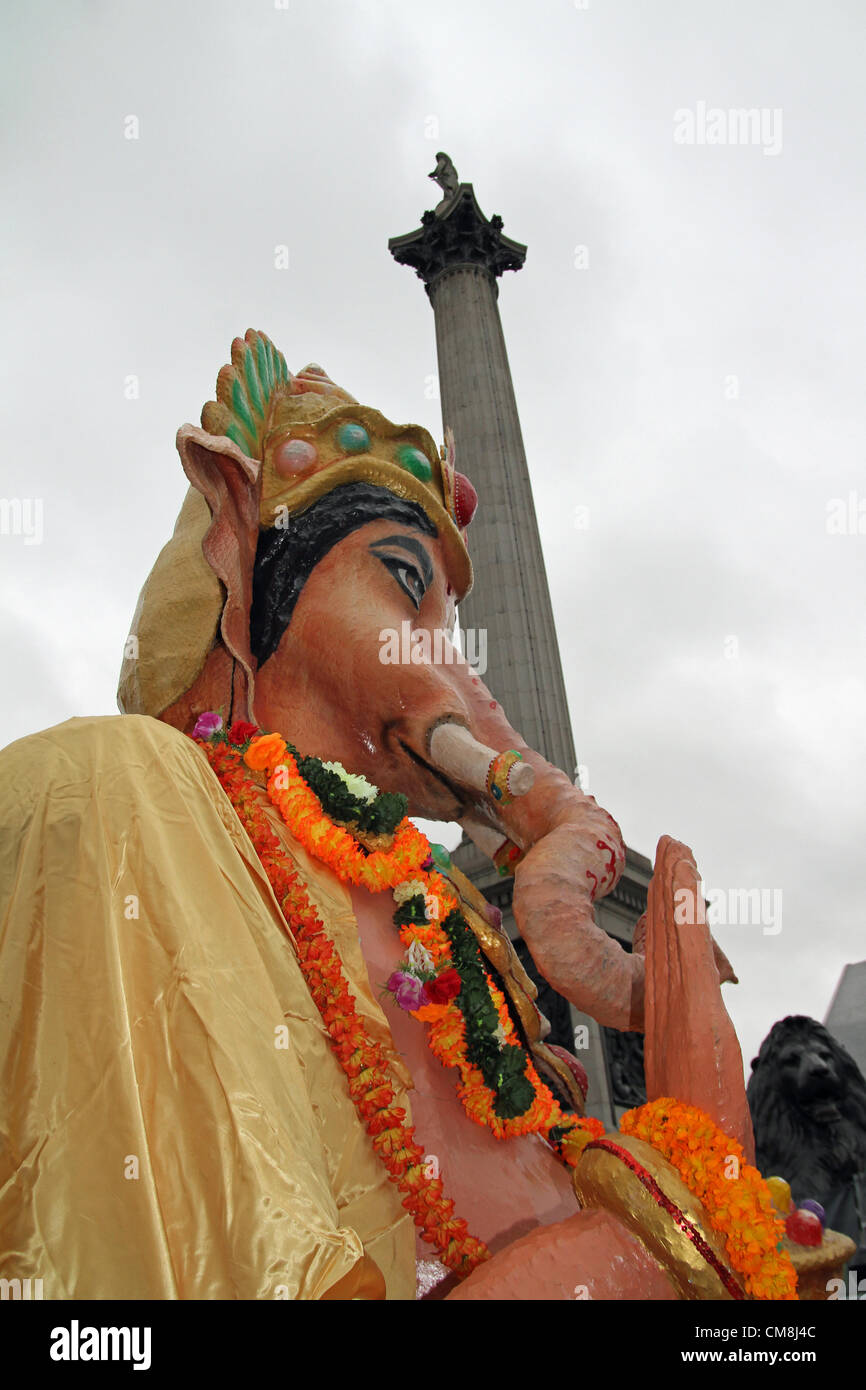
(315, 535)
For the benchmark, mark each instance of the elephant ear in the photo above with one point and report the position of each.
(230, 482)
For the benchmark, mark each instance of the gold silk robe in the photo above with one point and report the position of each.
(159, 1140)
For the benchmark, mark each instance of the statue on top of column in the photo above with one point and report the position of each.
(445, 174)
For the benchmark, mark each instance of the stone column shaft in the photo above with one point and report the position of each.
(510, 597)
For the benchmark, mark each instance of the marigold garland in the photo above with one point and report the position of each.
(302, 811)
(535, 1109)
(739, 1208)
(531, 1107)
(361, 1058)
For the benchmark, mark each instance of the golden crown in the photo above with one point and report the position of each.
(311, 436)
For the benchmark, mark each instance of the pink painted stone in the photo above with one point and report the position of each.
(294, 456)
(589, 1256)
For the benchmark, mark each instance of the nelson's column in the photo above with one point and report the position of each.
(459, 254)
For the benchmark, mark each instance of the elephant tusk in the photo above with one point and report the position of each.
(502, 776)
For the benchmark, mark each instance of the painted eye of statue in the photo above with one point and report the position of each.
(407, 576)
(414, 580)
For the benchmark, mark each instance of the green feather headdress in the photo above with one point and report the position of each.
(245, 391)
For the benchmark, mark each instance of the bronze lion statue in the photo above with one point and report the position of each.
(808, 1102)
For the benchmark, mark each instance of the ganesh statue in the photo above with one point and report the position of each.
(259, 1038)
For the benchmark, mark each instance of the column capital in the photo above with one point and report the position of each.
(457, 234)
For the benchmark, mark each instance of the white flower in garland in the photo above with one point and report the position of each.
(420, 959)
(413, 887)
(499, 1035)
(357, 785)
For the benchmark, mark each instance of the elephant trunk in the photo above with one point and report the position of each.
(573, 854)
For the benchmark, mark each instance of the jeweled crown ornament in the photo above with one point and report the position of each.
(311, 436)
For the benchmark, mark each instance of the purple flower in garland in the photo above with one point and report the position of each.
(494, 916)
(408, 991)
(207, 725)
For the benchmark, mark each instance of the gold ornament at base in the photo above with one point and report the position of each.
(632, 1181)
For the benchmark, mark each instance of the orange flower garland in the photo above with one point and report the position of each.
(361, 1058)
(447, 1039)
(302, 812)
(739, 1208)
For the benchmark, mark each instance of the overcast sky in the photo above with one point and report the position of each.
(693, 377)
